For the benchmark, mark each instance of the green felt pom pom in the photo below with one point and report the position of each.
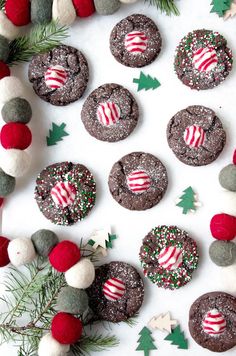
(7, 184)
(223, 253)
(44, 241)
(17, 110)
(227, 177)
(107, 7)
(41, 11)
(72, 300)
(4, 49)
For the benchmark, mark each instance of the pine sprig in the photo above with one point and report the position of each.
(95, 343)
(40, 39)
(2, 4)
(167, 6)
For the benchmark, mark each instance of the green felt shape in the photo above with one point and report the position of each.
(177, 337)
(146, 82)
(220, 6)
(56, 134)
(187, 200)
(146, 341)
(111, 238)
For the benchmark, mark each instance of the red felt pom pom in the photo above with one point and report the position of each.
(1, 202)
(4, 259)
(18, 11)
(4, 70)
(234, 157)
(66, 328)
(65, 255)
(223, 227)
(84, 8)
(15, 135)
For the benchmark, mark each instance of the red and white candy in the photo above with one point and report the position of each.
(170, 258)
(136, 42)
(194, 136)
(138, 181)
(113, 289)
(55, 77)
(108, 113)
(205, 59)
(63, 194)
(214, 323)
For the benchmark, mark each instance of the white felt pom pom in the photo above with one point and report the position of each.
(81, 275)
(7, 28)
(128, 1)
(10, 88)
(21, 251)
(227, 202)
(63, 12)
(228, 279)
(15, 162)
(48, 346)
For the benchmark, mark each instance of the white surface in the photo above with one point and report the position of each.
(22, 217)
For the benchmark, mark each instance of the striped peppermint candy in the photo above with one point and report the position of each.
(113, 289)
(214, 323)
(205, 59)
(63, 194)
(55, 77)
(170, 257)
(194, 136)
(138, 181)
(136, 42)
(108, 113)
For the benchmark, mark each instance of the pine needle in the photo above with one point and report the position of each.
(95, 343)
(2, 4)
(40, 39)
(167, 6)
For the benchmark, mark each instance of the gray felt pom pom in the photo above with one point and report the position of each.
(44, 241)
(223, 253)
(72, 300)
(227, 177)
(17, 110)
(41, 11)
(4, 49)
(7, 184)
(106, 7)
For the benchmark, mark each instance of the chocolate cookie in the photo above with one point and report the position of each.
(168, 257)
(110, 113)
(212, 321)
(196, 135)
(138, 181)
(117, 292)
(203, 59)
(65, 192)
(59, 76)
(135, 41)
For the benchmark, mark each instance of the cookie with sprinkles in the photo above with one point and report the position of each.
(212, 321)
(59, 76)
(65, 192)
(135, 41)
(110, 113)
(117, 292)
(203, 59)
(196, 135)
(169, 257)
(138, 181)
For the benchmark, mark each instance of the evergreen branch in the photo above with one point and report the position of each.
(95, 343)
(2, 4)
(40, 39)
(167, 6)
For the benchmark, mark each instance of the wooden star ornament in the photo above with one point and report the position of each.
(162, 322)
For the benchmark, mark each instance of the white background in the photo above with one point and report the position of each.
(21, 216)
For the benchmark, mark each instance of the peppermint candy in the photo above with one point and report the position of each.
(113, 289)
(139, 181)
(205, 59)
(63, 194)
(55, 77)
(214, 323)
(170, 258)
(136, 42)
(108, 113)
(194, 136)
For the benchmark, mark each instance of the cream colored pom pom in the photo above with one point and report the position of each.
(15, 162)
(48, 346)
(64, 12)
(21, 251)
(81, 275)
(10, 87)
(7, 28)
(227, 202)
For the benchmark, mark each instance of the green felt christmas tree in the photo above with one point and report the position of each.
(187, 200)
(220, 6)
(146, 82)
(146, 342)
(109, 243)
(177, 337)
(56, 134)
